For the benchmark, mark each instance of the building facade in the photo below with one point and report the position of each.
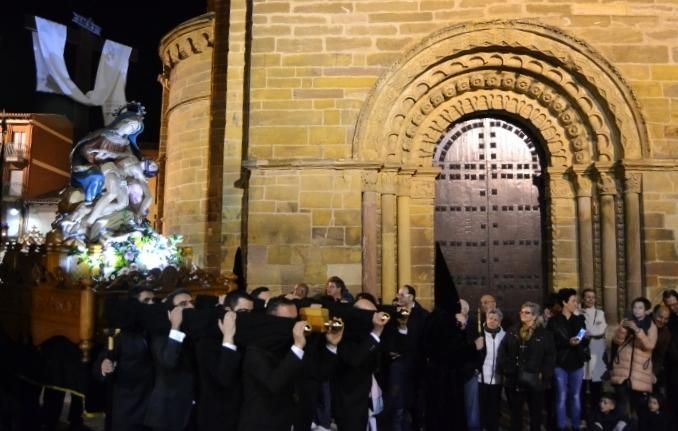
(35, 168)
(319, 137)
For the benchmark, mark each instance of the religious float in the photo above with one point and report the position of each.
(100, 245)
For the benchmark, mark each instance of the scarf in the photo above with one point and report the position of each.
(526, 333)
(493, 331)
(643, 324)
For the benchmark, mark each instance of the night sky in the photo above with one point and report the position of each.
(139, 24)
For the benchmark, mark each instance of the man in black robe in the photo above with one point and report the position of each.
(171, 403)
(219, 367)
(444, 351)
(404, 393)
(129, 366)
(358, 361)
(269, 373)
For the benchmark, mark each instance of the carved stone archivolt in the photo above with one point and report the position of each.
(538, 102)
(554, 132)
(192, 37)
(573, 85)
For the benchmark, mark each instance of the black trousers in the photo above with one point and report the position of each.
(490, 401)
(53, 402)
(308, 392)
(354, 421)
(535, 403)
(672, 392)
(590, 397)
(631, 402)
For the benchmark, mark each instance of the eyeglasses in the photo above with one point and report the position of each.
(525, 312)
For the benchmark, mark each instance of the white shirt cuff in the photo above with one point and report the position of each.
(331, 348)
(177, 335)
(376, 337)
(297, 351)
(402, 331)
(230, 346)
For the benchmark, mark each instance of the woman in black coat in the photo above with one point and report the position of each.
(526, 361)
(571, 353)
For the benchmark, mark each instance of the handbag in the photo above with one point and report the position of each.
(530, 380)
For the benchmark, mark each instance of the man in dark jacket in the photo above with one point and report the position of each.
(670, 297)
(443, 356)
(571, 353)
(269, 376)
(129, 366)
(526, 361)
(404, 398)
(219, 369)
(320, 358)
(170, 406)
(353, 381)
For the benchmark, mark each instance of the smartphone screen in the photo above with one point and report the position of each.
(581, 334)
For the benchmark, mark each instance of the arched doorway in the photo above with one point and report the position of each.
(488, 211)
(590, 130)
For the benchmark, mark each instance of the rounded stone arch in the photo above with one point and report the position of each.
(580, 110)
(574, 98)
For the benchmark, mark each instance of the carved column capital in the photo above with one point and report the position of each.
(369, 180)
(405, 182)
(632, 182)
(388, 182)
(583, 184)
(559, 186)
(607, 184)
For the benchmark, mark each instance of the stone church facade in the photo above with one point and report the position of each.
(304, 132)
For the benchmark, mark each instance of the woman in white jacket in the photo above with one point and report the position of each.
(489, 387)
(594, 368)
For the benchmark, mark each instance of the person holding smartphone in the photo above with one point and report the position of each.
(569, 336)
(631, 374)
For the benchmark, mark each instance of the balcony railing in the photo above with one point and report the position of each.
(15, 155)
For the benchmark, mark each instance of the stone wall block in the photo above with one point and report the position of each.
(279, 229)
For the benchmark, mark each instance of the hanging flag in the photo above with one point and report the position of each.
(49, 42)
(444, 291)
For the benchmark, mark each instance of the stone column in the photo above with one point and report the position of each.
(585, 228)
(389, 288)
(369, 232)
(632, 184)
(607, 189)
(422, 219)
(404, 229)
(164, 81)
(562, 218)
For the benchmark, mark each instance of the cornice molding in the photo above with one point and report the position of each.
(295, 164)
(191, 37)
(650, 165)
(282, 164)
